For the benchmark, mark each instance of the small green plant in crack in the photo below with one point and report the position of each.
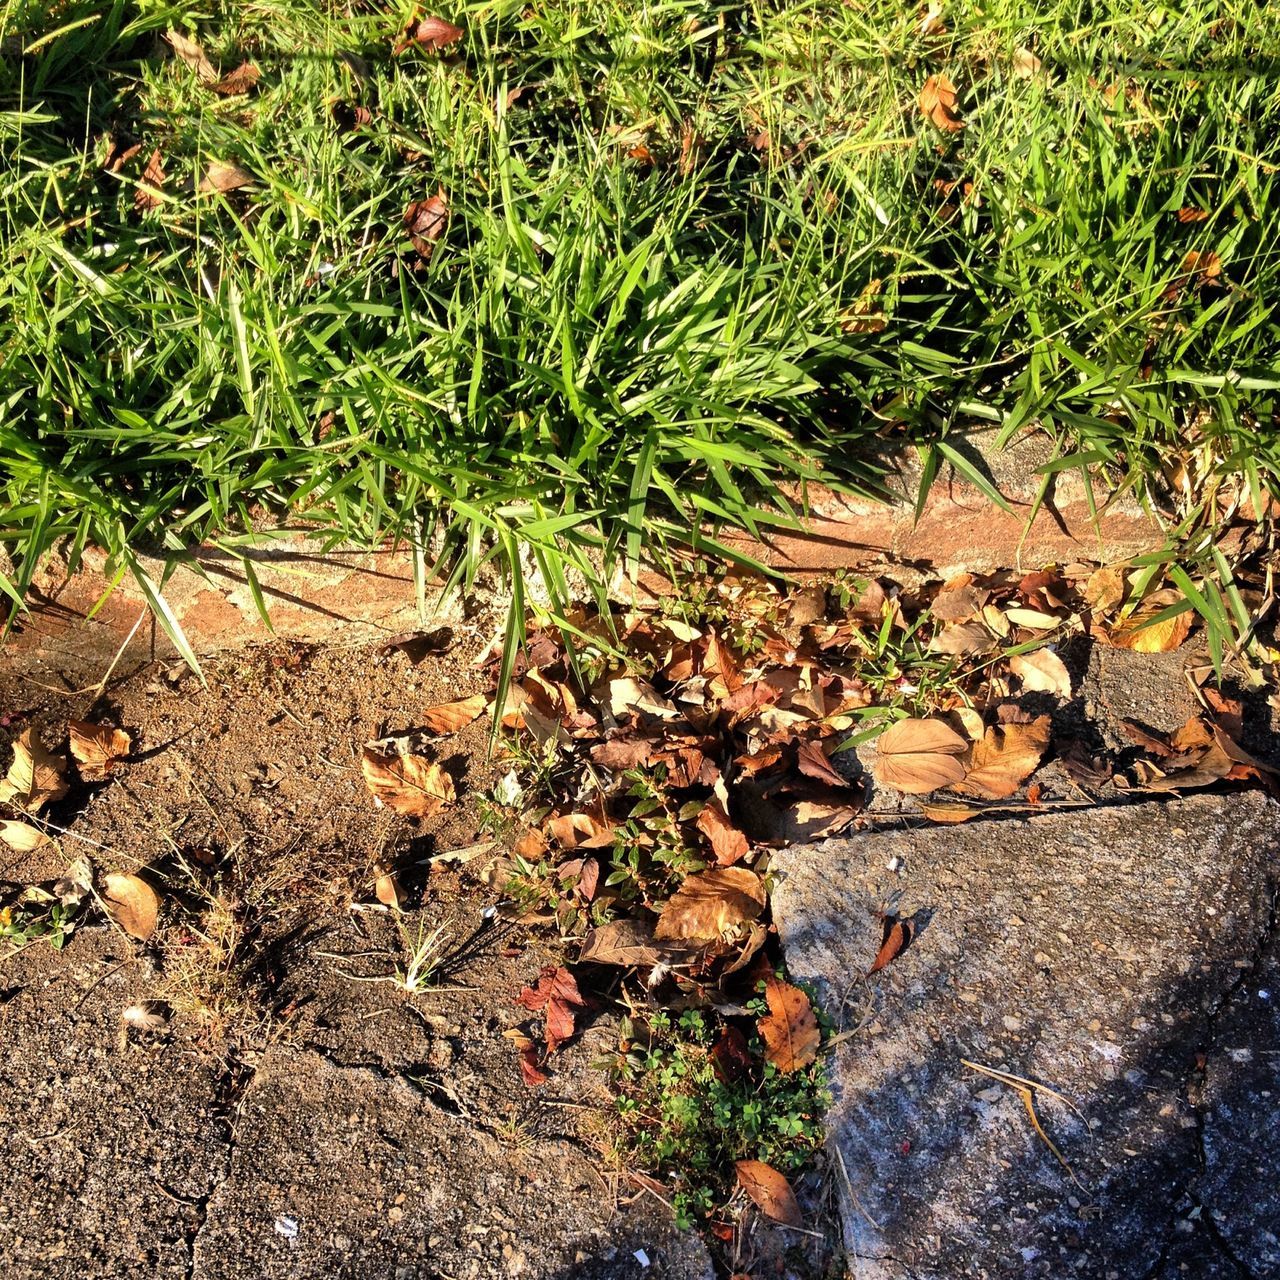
(687, 1117)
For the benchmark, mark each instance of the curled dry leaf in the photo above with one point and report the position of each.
(727, 843)
(191, 53)
(1141, 635)
(938, 103)
(349, 116)
(425, 222)
(790, 1029)
(898, 934)
(35, 777)
(578, 831)
(449, 717)
(153, 177)
(555, 996)
(21, 836)
(387, 887)
(919, 756)
(1007, 755)
(428, 34)
(1042, 672)
(770, 1190)
(241, 80)
(706, 905)
(631, 697)
(132, 903)
(812, 761)
(407, 784)
(221, 177)
(97, 748)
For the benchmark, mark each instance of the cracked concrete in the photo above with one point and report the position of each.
(1123, 957)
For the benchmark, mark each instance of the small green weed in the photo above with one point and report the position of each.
(37, 916)
(688, 1124)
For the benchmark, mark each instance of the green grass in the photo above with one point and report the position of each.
(605, 356)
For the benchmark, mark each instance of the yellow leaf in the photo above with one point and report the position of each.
(35, 777)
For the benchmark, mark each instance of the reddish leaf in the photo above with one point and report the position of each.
(429, 35)
(241, 80)
(897, 937)
(425, 222)
(729, 1057)
(555, 995)
(531, 1071)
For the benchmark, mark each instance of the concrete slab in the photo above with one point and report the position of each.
(1113, 955)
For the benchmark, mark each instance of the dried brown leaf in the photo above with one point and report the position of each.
(790, 1029)
(555, 995)
(729, 1057)
(706, 905)
(221, 177)
(153, 177)
(191, 53)
(449, 717)
(812, 761)
(97, 748)
(771, 1192)
(727, 843)
(425, 222)
(938, 103)
(1042, 671)
(407, 784)
(428, 34)
(36, 776)
(241, 80)
(21, 836)
(630, 942)
(578, 831)
(132, 903)
(897, 938)
(1007, 755)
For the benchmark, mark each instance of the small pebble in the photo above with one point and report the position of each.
(894, 863)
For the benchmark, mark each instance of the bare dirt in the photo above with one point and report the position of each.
(297, 1113)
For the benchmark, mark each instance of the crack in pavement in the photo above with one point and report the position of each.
(233, 1087)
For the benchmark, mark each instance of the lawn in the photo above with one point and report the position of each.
(594, 279)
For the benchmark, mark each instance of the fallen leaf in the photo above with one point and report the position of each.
(387, 888)
(449, 717)
(790, 1029)
(1033, 619)
(628, 696)
(630, 942)
(97, 748)
(35, 777)
(132, 903)
(1007, 755)
(624, 749)
(221, 177)
(729, 1057)
(1105, 589)
(407, 784)
(21, 836)
(897, 938)
(1042, 671)
(1025, 64)
(1189, 213)
(425, 222)
(349, 116)
(416, 645)
(75, 884)
(555, 996)
(812, 761)
(962, 639)
(949, 813)
(190, 52)
(1138, 635)
(727, 843)
(706, 905)
(153, 176)
(938, 102)
(919, 756)
(770, 1190)
(816, 819)
(428, 34)
(119, 152)
(531, 1071)
(578, 831)
(241, 80)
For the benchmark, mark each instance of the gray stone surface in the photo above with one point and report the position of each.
(1115, 955)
